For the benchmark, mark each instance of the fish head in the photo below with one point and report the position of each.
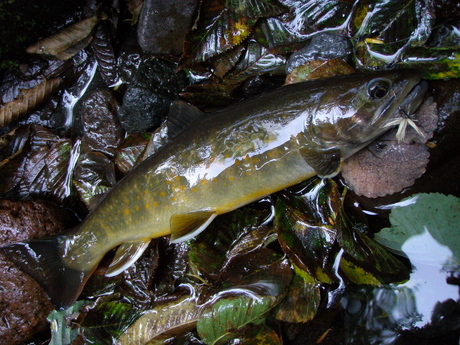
(356, 109)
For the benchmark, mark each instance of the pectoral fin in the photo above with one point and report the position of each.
(125, 256)
(185, 226)
(327, 163)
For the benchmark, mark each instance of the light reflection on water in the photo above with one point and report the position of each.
(383, 312)
(428, 280)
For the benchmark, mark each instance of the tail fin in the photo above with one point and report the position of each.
(42, 260)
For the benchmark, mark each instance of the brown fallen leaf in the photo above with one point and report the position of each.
(66, 42)
(387, 165)
(28, 100)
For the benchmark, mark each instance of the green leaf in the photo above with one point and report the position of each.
(302, 299)
(108, 321)
(307, 245)
(63, 332)
(435, 63)
(425, 228)
(365, 261)
(227, 315)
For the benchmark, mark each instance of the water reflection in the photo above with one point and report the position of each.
(426, 306)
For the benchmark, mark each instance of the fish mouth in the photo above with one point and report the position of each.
(413, 100)
(404, 115)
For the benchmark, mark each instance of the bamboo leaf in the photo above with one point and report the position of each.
(181, 314)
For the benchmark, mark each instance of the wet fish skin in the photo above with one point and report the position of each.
(225, 160)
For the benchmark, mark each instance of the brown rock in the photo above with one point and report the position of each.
(24, 306)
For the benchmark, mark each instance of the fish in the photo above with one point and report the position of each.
(216, 163)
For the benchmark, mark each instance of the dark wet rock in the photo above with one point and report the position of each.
(447, 8)
(146, 102)
(258, 84)
(163, 25)
(102, 130)
(323, 46)
(24, 306)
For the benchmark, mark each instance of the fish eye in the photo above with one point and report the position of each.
(378, 88)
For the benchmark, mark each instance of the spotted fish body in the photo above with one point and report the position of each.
(223, 161)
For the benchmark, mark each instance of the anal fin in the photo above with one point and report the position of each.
(125, 256)
(185, 226)
(326, 162)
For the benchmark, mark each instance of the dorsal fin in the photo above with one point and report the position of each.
(181, 115)
(185, 226)
(126, 255)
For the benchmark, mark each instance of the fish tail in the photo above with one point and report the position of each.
(41, 258)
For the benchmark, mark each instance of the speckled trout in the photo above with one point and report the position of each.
(222, 161)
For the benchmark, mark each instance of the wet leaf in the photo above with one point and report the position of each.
(28, 99)
(419, 217)
(304, 19)
(208, 251)
(218, 30)
(62, 332)
(391, 27)
(224, 317)
(365, 261)
(105, 56)
(227, 61)
(107, 321)
(129, 151)
(94, 175)
(308, 246)
(135, 7)
(257, 335)
(255, 8)
(435, 63)
(101, 129)
(257, 60)
(302, 299)
(319, 69)
(38, 165)
(262, 268)
(60, 44)
(180, 315)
